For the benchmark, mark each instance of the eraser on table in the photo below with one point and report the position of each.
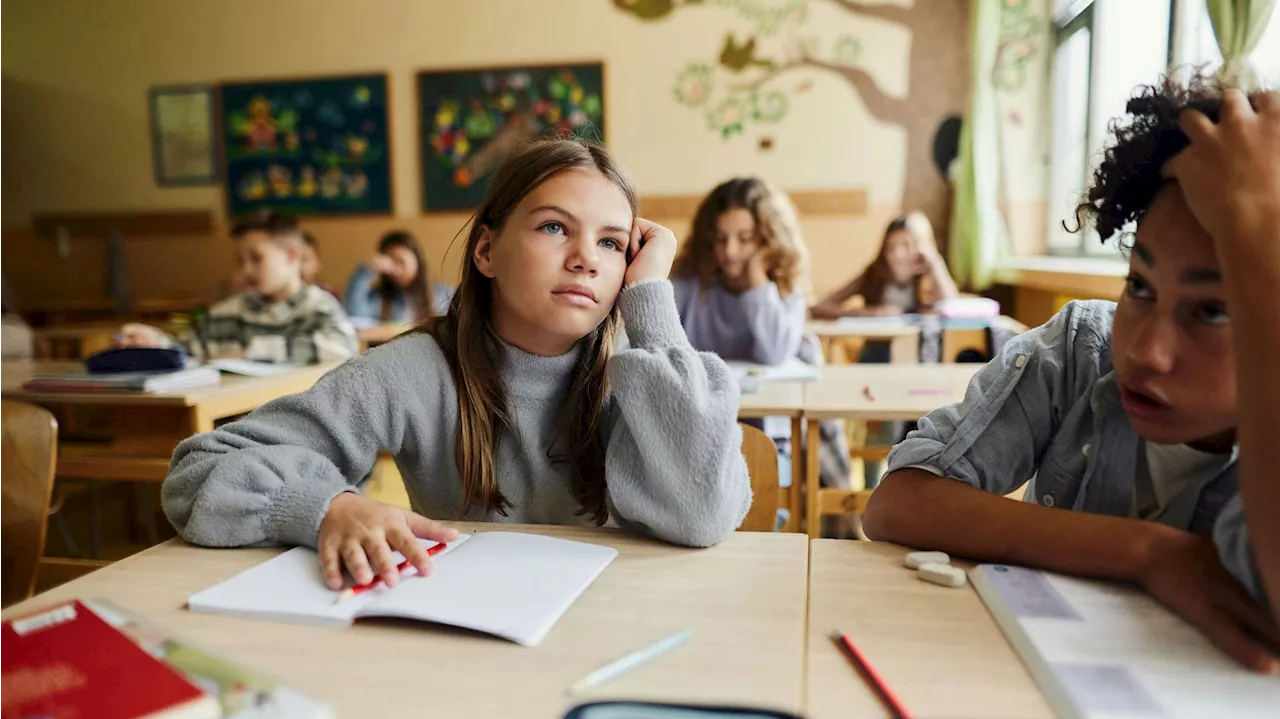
(915, 559)
(942, 574)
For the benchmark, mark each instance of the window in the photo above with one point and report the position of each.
(1128, 43)
(1194, 43)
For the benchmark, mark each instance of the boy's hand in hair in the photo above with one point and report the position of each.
(651, 251)
(1184, 573)
(1230, 173)
(360, 533)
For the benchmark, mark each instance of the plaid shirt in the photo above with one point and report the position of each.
(1048, 409)
(308, 328)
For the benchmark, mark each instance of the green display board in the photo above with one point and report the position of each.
(471, 120)
(307, 147)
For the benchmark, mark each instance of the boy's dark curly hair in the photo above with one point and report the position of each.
(1128, 177)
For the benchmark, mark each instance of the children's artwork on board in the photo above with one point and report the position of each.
(471, 120)
(308, 147)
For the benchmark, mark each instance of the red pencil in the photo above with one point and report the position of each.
(896, 707)
(866, 391)
(404, 566)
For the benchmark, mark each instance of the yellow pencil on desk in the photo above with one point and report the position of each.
(639, 657)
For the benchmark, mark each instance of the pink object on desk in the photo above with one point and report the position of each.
(929, 391)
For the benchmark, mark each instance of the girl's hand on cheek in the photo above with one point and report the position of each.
(652, 250)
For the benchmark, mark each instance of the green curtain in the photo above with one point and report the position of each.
(978, 232)
(1238, 26)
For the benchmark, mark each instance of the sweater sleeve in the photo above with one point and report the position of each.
(776, 323)
(270, 476)
(674, 462)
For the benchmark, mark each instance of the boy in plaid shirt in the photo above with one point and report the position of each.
(278, 318)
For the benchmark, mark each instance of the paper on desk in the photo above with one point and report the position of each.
(793, 370)
(250, 368)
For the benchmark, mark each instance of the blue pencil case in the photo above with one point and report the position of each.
(136, 359)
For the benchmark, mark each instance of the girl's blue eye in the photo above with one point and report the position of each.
(612, 244)
(553, 228)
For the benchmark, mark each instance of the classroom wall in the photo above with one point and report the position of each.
(77, 136)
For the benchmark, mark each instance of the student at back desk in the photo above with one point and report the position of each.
(740, 284)
(1128, 415)
(278, 318)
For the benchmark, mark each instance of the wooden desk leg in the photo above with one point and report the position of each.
(795, 495)
(813, 483)
(905, 349)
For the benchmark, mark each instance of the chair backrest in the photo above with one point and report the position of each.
(762, 464)
(30, 454)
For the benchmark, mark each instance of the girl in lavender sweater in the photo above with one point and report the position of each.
(741, 277)
(741, 281)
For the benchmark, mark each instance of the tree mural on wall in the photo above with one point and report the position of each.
(745, 84)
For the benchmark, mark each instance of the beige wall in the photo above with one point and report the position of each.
(76, 132)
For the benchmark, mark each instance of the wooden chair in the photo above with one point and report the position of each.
(30, 454)
(762, 464)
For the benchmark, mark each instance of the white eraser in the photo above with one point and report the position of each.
(942, 574)
(915, 559)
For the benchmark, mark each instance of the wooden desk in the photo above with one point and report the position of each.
(938, 648)
(782, 399)
(898, 392)
(201, 406)
(904, 339)
(744, 601)
(382, 334)
(131, 436)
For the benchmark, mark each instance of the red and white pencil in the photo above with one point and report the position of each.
(402, 568)
(896, 708)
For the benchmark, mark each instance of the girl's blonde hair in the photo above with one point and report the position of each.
(777, 227)
(470, 344)
(878, 276)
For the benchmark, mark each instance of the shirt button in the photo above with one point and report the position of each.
(1085, 450)
(1020, 361)
(1047, 500)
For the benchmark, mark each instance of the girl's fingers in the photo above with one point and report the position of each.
(637, 234)
(403, 541)
(330, 565)
(426, 529)
(384, 564)
(357, 563)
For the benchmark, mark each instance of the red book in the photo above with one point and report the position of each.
(65, 662)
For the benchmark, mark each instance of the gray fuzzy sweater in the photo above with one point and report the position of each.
(673, 464)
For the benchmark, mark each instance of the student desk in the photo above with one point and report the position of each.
(371, 337)
(131, 436)
(903, 339)
(938, 648)
(897, 392)
(744, 600)
(781, 399)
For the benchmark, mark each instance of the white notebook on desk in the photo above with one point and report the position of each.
(1106, 651)
(511, 585)
(792, 370)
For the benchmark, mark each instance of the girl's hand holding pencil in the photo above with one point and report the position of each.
(360, 534)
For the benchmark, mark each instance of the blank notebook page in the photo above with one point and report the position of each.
(512, 585)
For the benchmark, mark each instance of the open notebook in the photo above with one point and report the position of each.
(1104, 651)
(511, 585)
